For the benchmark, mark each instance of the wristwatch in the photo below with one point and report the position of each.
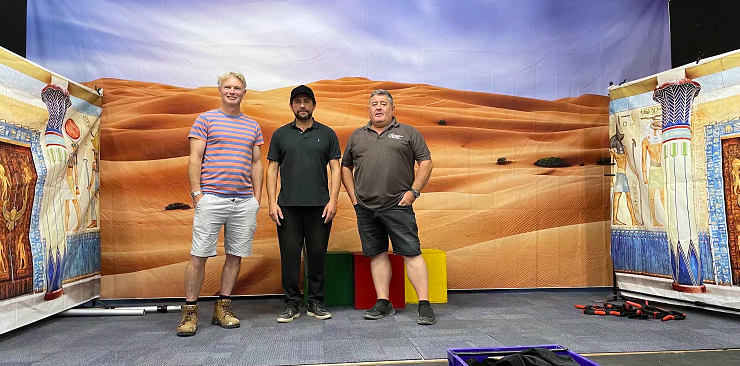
(194, 194)
(415, 192)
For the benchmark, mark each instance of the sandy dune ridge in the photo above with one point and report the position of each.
(514, 225)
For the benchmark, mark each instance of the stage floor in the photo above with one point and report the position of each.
(481, 319)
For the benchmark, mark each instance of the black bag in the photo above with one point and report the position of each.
(528, 357)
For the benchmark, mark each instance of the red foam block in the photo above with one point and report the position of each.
(365, 296)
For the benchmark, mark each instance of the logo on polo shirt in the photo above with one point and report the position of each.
(395, 136)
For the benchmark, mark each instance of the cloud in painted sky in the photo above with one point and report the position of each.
(545, 49)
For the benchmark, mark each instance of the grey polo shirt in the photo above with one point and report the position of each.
(384, 163)
(303, 156)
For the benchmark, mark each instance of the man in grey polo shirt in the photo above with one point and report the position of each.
(382, 190)
(300, 151)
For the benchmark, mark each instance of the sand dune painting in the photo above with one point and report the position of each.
(502, 225)
(512, 80)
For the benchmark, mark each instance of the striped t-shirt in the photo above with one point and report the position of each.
(227, 161)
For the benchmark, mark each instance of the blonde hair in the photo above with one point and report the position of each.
(229, 74)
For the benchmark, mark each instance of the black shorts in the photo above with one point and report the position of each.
(397, 222)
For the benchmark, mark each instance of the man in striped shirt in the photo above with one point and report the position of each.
(225, 173)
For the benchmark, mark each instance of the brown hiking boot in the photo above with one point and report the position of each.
(223, 314)
(189, 322)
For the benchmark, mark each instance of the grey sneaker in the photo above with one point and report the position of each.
(318, 311)
(426, 315)
(289, 313)
(379, 311)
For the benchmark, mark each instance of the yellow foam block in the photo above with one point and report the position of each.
(437, 267)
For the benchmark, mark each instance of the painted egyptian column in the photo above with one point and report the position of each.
(676, 99)
(57, 102)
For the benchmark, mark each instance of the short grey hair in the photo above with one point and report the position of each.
(229, 74)
(382, 92)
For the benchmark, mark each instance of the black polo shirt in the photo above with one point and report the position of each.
(303, 156)
(384, 163)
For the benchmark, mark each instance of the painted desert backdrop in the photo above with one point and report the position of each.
(511, 225)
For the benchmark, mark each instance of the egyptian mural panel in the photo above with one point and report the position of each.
(650, 162)
(17, 182)
(731, 174)
(638, 193)
(49, 189)
(654, 224)
(676, 99)
(685, 240)
(69, 223)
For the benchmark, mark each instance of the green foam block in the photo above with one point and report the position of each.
(338, 279)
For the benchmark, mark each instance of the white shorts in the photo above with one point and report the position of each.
(238, 216)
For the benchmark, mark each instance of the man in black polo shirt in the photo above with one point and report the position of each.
(306, 206)
(383, 188)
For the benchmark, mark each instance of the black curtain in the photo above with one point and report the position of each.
(702, 29)
(13, 20)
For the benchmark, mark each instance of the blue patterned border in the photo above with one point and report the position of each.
(716, 198)
(82, 258)
(23, 135)
(641, 100)
(17, 133)
(646, 252)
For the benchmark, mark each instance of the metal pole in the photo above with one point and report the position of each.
(122, 311)
(101, 312)
(154, 309)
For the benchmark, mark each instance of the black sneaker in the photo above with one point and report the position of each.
(289, 313)
(380, 311)
(318, 311)
(426, 315)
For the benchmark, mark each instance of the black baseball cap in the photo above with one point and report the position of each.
(302, 89)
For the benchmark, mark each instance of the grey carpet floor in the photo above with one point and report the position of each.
(488, 319)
